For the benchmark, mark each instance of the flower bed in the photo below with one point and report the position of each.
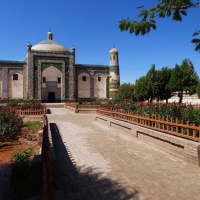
(10, 124)
(11, 116)
(186, 124)
(182, 112)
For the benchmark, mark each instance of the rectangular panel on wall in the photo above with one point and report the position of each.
(84, 86)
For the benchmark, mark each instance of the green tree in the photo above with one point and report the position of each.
(196, 41)
(141, 89)
(125, 91)
(165, 8)
(151, 76)
(158, 83)
(184, 79)
(163, 90)
(198, 89)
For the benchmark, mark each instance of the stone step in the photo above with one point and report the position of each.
(55, 105)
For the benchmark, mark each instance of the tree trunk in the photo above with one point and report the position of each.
(180, 96)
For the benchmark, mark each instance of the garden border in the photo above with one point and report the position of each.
(179, 147)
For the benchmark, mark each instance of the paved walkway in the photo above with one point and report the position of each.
(98, 162)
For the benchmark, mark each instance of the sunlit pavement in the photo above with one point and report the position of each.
(97, 162)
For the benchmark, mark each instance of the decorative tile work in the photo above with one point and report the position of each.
(37, 61)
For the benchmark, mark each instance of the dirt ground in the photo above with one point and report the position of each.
(24, 140)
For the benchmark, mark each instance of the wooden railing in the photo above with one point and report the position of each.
(163, 124)
(89, 106)
(31, 111)
(26, 111)
(48, 191)
(73, 105)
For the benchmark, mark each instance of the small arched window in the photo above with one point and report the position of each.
(15, 77)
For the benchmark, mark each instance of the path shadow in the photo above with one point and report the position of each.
(5, 189)
(49, 111)
(74, 183)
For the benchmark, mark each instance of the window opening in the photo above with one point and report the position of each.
(83, 78)
(15, 77)
(44, 80)
(59, 80)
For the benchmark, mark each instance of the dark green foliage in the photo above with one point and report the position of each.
(175, 111)
(21, 160)
(155, 85)
(146, 110)
(196, 41)
(21, 176)
(184, 79)
(175, 9)
(141, 89)
(152, 83)
(198, 89)
(125, 91)
(10, 124)
(32, 104)
(191, 115)
(162, 84)
(23, 103)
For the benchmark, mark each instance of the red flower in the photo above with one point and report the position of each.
(3, 137)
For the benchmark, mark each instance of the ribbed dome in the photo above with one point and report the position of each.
(49, 46)
(114, 50)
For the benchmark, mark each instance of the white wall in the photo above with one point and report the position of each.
(83, 86)
(190, 99)
(15, 86)
(100, 86)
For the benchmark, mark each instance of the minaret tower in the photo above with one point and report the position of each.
(114, 78)
(50, 35)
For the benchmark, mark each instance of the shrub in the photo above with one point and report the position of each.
(191, 115)
(21, 157)
(21, 175)
(21, 164)
(173, 110)
(10, 124)
(32, 104)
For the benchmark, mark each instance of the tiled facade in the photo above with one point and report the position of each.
(50, 73)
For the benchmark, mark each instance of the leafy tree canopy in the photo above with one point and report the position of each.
(184, 79)
(141, 89)
(125, 91)
(158, 83)
(164, 91)
(165, 8)
(198, 89)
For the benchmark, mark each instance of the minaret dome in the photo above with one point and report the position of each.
(50, 35)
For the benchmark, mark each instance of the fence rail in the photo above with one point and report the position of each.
(89, 106)
(25, 112)
(156, 122)
(48, 191)
(73, 105)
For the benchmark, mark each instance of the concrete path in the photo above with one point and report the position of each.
(98, 162)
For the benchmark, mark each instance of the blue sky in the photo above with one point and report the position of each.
(92, 27)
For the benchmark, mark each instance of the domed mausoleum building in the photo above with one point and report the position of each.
(50, 74)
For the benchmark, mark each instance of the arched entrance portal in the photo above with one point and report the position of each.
(51, 84)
